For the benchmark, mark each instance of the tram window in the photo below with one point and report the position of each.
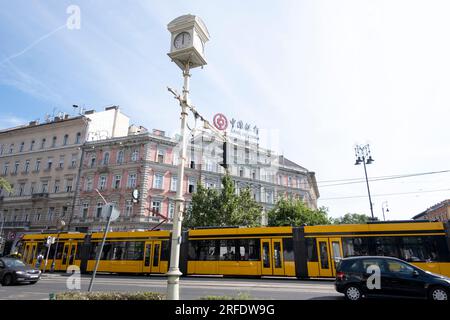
(106, 252)
(323, 255)
(227, 250)
(266, 255)
(355, 247)
(93, 251)
(78, 252)
(421, 248)
(386, 246)
(148, 249)
(117, 250)
(248, 250)
(203, 250)
(134, 250)
(311, 249)
(288, 248)
(156, 255)
(165, 250)
(277, 254)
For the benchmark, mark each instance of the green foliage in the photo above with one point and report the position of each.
(5, 185)
(296, 213)
(212, 207)
(77, 295)
(352, 218)
(240, 296)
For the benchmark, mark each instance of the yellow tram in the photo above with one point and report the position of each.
(302, 252)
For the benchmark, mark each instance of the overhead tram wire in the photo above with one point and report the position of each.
(384, 195)
(380, 178)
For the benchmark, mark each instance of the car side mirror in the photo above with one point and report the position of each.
(415, 273)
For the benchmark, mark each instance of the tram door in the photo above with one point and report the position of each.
(30, 251)
(272, 257)
(152, 256)
(329, 253)
(68, 254)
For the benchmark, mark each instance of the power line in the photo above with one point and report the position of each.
(386, 194)
(380, 178)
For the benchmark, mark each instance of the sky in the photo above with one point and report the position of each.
(325, 75)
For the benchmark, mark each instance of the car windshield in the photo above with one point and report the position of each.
(11, 263)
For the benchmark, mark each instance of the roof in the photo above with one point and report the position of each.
(432, 208)
(286, 162)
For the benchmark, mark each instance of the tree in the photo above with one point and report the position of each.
(296, 213)
(212, 207)
(5, 185)
(353, 218)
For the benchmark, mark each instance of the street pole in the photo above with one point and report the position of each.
(101, 249)
(368, 190)
(1, 235)
(49, 243)
(173, 276)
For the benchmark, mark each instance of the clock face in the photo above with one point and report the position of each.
(182, 40)
(135, 193)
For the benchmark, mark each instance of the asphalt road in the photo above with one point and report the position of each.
(191, 288)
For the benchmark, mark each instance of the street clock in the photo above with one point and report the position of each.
(135, 195)
(189, 35)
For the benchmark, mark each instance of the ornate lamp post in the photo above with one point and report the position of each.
(189, 35)
(362, 154)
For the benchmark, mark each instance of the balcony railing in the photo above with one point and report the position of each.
(16, 224)
(39, 196)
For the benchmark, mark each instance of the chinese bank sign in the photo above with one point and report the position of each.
(236, 128)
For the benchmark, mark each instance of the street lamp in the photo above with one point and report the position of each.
(362, 154)
(188, 37)
(384, 206)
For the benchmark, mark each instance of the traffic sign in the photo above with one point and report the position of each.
(11, 235)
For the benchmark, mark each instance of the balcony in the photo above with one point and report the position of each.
(17, 224)
(39, 196)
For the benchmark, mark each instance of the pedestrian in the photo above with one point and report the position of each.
(39, 259)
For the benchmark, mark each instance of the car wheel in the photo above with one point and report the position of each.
(353, 293)
(7, 280)
(438, 294)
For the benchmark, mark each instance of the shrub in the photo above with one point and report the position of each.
(240, 296)
(75, 295)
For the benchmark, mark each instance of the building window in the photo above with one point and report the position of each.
(99, 209)
(16, 167)
(93, 160)
(56, 186)
(173, 183)
(156, 206)
(280, 180)
(50, 213)
(89, 181)
(49, 163)
(11, 148)
(5, 169)
(44, 188)
(171, 210)
(42, 144)
(116, 182)
(54, 142)
(73, 162)
(65, 140)
(78, 138)
(128, 208)
(158, 181)
(33, 187)
(1, 149)
(132, 179)
(64, 211)
(61, 162)
(241, 172)
(106, 159)
(37, 166)
(27, 166)
(176, 157)
(21, 189)
(191, 185)
(120, 155)
(85, 211)
(135, 155)
(102, 183)
(160, 156)
(289, 181)
(22, 144)
(69, 185)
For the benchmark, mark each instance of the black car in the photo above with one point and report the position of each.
(358, 277)
(15, 271)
